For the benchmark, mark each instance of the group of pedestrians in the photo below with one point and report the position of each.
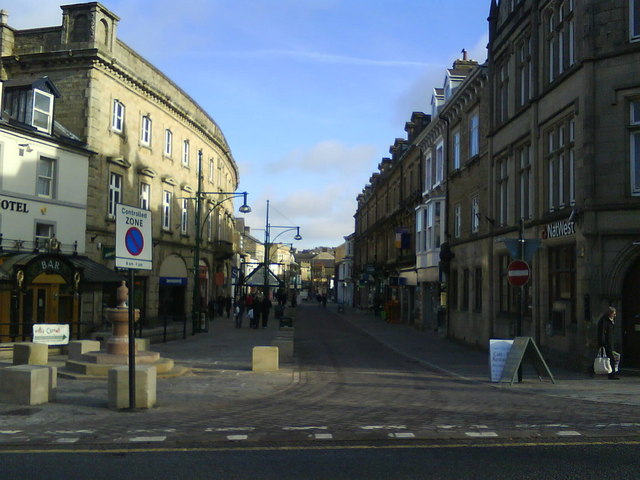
(255, 307)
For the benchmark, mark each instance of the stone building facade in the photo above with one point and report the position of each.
(553, 178)
(384, 238)
(151, 141)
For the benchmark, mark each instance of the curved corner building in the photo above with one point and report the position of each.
(147, 138)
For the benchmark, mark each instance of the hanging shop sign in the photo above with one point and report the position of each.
(561, 228)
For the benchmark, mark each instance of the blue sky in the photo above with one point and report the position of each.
(310, 94)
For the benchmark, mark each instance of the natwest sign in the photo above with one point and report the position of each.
(561, 228)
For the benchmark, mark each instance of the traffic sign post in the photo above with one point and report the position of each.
(518, 273)
(133, 251)
(133, 238)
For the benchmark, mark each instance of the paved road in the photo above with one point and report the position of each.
(346, 386)
(375, 462)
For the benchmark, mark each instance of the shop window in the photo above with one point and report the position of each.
(562, 287)
(477, 301)
(465, 289)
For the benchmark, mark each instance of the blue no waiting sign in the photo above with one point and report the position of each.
(133, 238)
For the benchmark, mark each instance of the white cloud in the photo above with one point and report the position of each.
(326, 157)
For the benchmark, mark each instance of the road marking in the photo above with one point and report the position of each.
(323, 436)
(481, 434)
(446, 427)
(10, 432)
(67, 440)
(401, 435)
(158, 438)
(384, 427)
(395, 446)
(230, 429)
(68, 432)
(304, 428)
(568, 433)
(237, 437)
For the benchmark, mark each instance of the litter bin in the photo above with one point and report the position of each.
(286, 322)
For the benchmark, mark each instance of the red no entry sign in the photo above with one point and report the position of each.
(518, 273)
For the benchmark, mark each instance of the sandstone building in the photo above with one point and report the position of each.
(533, 155)
(150, 142)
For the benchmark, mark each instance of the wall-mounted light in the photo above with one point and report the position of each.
(26, 146)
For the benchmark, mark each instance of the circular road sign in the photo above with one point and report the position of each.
(518, 273)
(134, 241)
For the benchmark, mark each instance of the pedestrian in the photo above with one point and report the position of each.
(266, 308)
(257, 309)
(237, 313)
(228, 302)
(220, 305)
(250, 316)
(605, 338)
(211, 306)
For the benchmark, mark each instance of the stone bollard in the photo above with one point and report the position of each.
(265, 359)
(28, 353)
(25, 384)
(118, 387)
(78, 347)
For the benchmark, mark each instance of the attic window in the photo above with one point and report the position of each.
(42, 110)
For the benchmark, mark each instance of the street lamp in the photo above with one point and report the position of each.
(267, 246)
(200, 195)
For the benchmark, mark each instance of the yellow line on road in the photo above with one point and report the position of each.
(98, 449)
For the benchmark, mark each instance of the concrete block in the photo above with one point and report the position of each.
(143, 344)
(27, 353)
(78, 347)
(265, 359)
(146, 377)
(25, 384)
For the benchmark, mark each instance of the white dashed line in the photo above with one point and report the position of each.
(481, 434)
(402, 435)
(67, 440)
(384, 427)
(237, 437)
(323, 436)
(304, 428)
(230, 429)
(159, 438)
(568, 433)
(10, 432)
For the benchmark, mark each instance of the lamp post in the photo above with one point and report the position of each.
(200, 195)
(267, 246)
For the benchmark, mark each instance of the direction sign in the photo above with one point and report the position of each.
(51, 334)
(133, 238)
(518, 273)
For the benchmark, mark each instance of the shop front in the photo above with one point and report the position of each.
(47, 288)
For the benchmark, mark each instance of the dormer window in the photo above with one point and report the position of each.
(42, 110)
(30, 102)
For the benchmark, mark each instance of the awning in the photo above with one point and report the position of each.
(257, 278)
(92, 272)
(95, 272)
(411, 277)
